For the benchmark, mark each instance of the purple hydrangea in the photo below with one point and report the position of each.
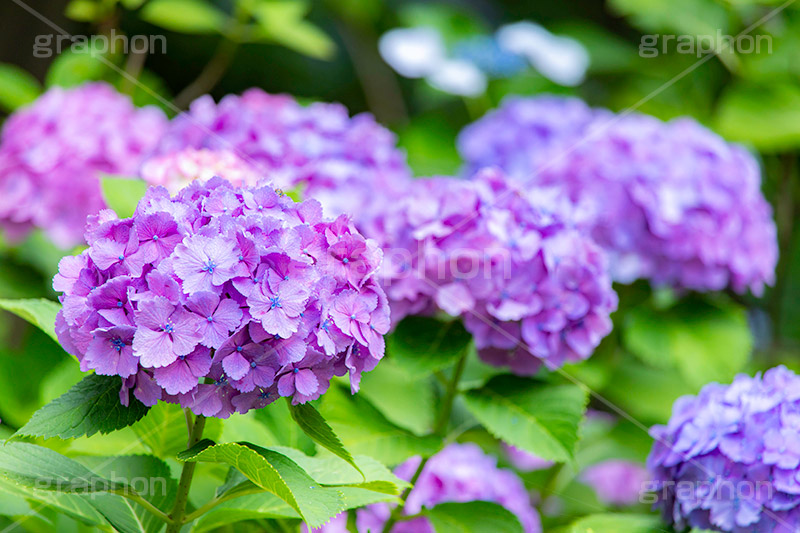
(672, 202)
(729, 458)
(222, 299)
(177, 169)
(53, 152)
(525, 461)
(334, 158)
(529, 286)
(616, 482)
(459, 473)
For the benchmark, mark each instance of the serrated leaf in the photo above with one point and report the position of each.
(540, 418)
(313, 425)
(277, 420)
(252, 507)
(364, 430)
(73, 505)
(38, 311)
(17, 87)
(88, 407)
(614, 523)
(122, 194)
(185, 16)
(275, 473)
(422, 345)
(473, 517)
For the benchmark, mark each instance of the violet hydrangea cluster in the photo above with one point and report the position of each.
(729, 458)
(529, 286)
(53, 152)
(334, 158)
(672, 202)
(223, 299)
(459, 473)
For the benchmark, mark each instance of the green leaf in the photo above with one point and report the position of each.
(73, 505)
(73, 68)
(281, 21)
(17, 87)
(184, 16)
(313, 425)
(275, 473)
(614, 523)
(277, 420)
(90, 406)
(540, 418)
(85, 10)
(422, 345)
(123, 194)
(43, 469)
(705, 342)
(405, 399)
(364, 430)
(252, 507)
(148, 476)
(473, 517)
(766, 116)
(38, 311)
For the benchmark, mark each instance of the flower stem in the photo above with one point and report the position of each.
(439, 429)
(177, 514)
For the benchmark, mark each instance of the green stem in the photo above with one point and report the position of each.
(200, 511)
(177, 514)
(152, 509)
(439, 429)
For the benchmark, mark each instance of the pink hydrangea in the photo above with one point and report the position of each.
(53, 152)
(176, 170)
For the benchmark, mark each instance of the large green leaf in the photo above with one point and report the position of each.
(38, 311)
(281, 21)
(473, 517)
(185, 16)
(540, 418)
(704, 342)
(90, 406)
(251, 507)
(43, 469)
(422, 345)
(766, 116)
(364, 430)
(277, 420)
(275, 473)
(615, 523)
(405, 398)
(313, 425)
(17, 87)
(76, 506)
(122, 194)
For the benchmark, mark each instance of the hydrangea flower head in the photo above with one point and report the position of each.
(223, 299)
(459, 473)
(176, 170)
(336, 159)
(729, 458)
(53, 152)
(672, 202)
(530, 287)
(615, 481)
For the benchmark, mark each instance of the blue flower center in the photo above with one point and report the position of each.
(264, 394)
(296, 370)
(285, 278)
(210, 266)
(241, 258)
(345, 260)
(168, 328)
(119, 303)
(275, 302)
(239, 348)
(325, 325)
(352, 317)
(118, 344)
(210, 319)
(155, 237)
(121, 257)
(253, 364)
